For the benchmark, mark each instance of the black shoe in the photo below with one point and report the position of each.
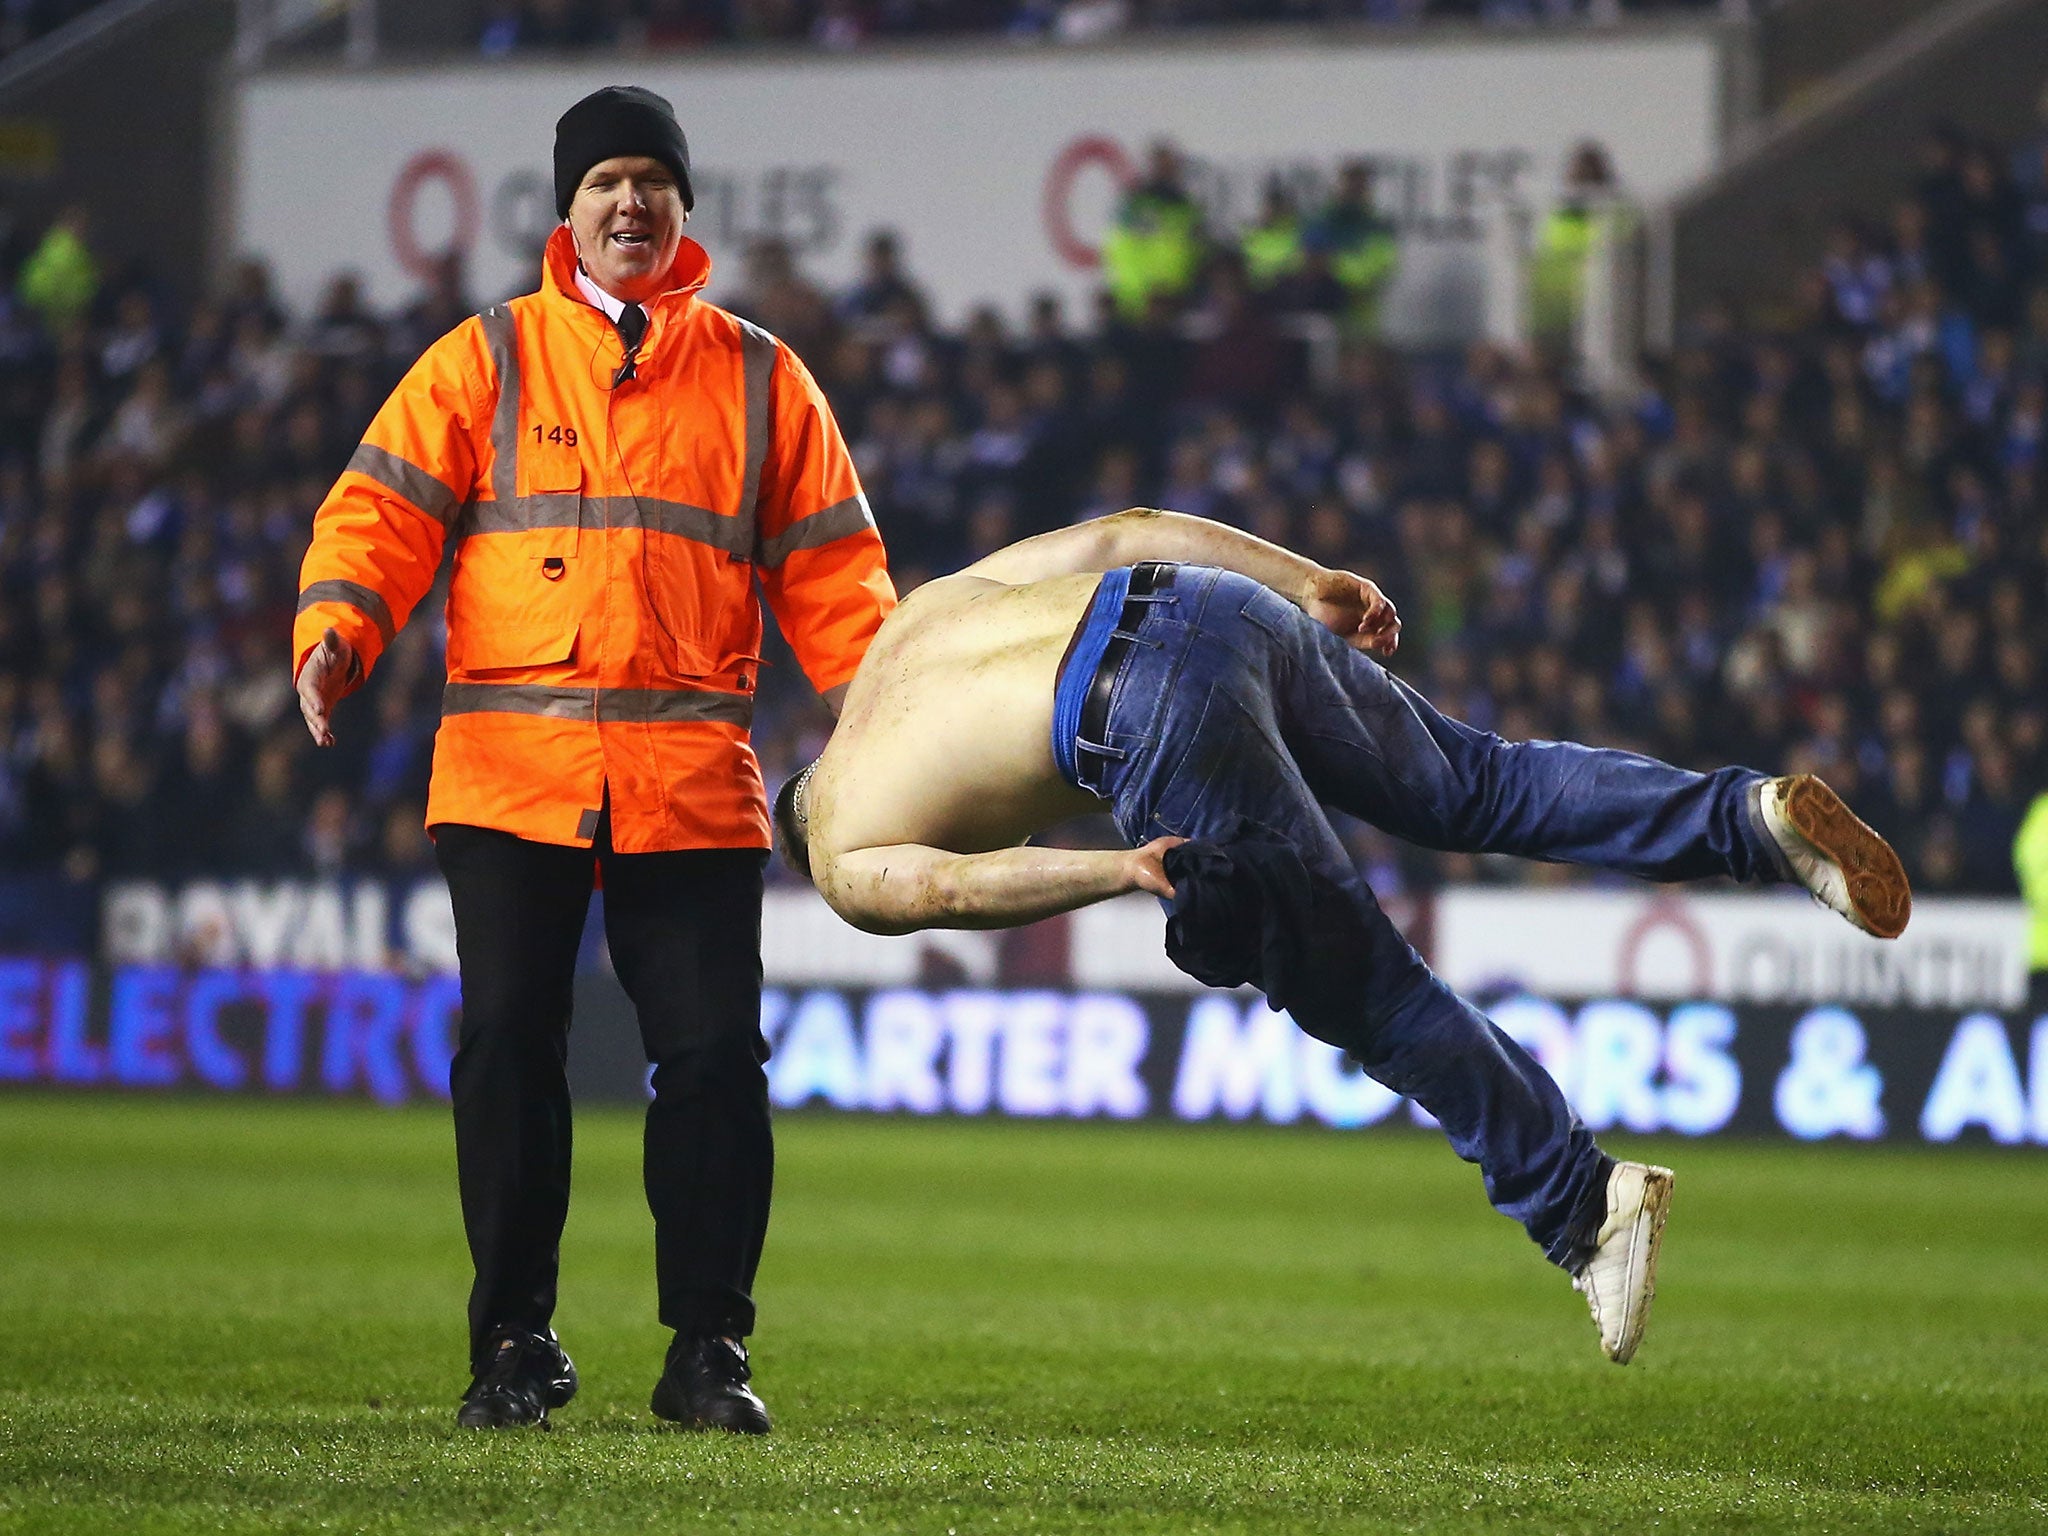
(525, 1374)
(704, 1385)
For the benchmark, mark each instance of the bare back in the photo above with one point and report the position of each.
(943, 760)
(946, 735)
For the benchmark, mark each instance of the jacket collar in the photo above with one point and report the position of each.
(686, 277)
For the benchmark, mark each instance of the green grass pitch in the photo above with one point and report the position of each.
(242, 1316)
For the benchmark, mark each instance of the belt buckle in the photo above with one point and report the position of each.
(1149, 576)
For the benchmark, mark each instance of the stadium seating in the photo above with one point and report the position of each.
(1812, 542)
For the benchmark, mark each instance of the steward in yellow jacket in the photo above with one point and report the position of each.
(1154, 247)
(2030, 863)
(617, 465)
(1363, 246)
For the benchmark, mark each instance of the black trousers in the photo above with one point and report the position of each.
(685, 936)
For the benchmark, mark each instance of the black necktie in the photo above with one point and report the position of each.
(632, 323)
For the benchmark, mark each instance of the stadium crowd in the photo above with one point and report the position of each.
(509, 26)
(1813, 541)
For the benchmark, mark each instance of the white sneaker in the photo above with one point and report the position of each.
(1620, 1280)
(1848, 868)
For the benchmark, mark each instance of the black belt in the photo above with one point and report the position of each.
(1152, 576)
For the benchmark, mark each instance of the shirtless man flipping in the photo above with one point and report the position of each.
(1221, 701)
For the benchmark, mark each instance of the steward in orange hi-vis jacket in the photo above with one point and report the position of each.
(603, 633)
(616, 463)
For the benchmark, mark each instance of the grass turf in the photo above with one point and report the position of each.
(246, 1316)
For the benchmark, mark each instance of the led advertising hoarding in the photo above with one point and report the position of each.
(1689, 1068)
(1662, 943)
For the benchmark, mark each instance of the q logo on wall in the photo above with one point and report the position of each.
(1665, 913)
(432, 168)
(1076, 174)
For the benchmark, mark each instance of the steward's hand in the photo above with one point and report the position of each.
(331, 666)
(1146, 866)
(1350, 606)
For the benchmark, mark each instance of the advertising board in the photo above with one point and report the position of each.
(1779, 947)
(1690, 1068)
(1663, 943)
(999, 168)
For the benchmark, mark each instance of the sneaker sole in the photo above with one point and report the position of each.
(1876, 880)
(1657, 1184)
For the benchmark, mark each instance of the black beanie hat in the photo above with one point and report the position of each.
(618, 120)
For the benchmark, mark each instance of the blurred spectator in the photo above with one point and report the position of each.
(779, 298)
(1239, 360)
(1858, 278)
(403, 850)
(1564, 241)
(883, 290)
(2030, 861)
(1362, 247)
(840, 25)
(1273, 245)
(554, 25)
(1153, 251)
(61, 276)
(149, 425)
(683, 23)
(341, 328)
(1084, 21)
(330, 833)
(267, 834)
(205, 786)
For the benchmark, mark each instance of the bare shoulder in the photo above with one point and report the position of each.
(932, 600)
(945, 591)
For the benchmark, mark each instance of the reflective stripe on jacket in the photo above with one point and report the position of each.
(603, 630)
(1155, 246)
(1272, 251)
(1557, 269)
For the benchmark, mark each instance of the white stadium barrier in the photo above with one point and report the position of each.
(818, 150)
(1660, 944)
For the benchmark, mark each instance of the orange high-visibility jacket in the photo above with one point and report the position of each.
(603, 633)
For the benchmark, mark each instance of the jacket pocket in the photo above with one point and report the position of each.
(553, 465)
(492, 647)
(554, 474)
(729, 669)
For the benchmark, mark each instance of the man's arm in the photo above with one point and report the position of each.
(906, 887)
(1346, 603)
(820, 560)
(378, 536)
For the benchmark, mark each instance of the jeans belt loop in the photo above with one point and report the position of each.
(1150, 583)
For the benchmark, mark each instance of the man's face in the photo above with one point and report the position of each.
(627, 217)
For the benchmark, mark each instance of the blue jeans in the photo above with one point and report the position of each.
(1234, 713)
